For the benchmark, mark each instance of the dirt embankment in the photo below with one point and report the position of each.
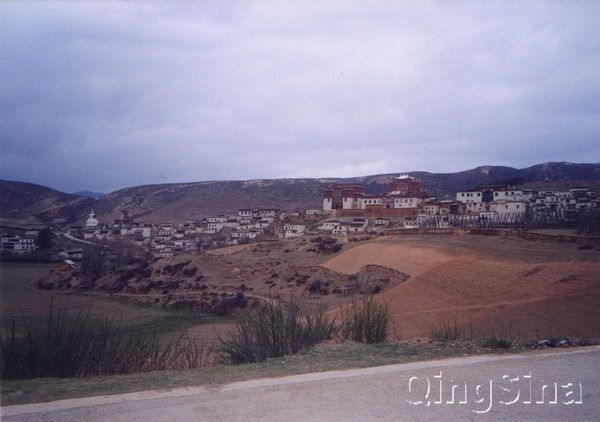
(515, 287)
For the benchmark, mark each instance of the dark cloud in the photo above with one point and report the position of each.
(106, 95)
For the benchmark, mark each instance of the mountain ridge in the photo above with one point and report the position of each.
(176, 202)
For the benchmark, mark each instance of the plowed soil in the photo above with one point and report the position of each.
(514, 287)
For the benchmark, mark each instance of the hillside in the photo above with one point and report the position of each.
(22, 202)
(89, 194)
(176, 202)
(512, 286)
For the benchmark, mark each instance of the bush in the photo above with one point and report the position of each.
(497, 343)
(366, 321)
(83, 345)
(317, 286)
(92, 262)
(190, 271)
(445, 332)
(494, 342)
(274, 330)
(227, 304)
(327, 245)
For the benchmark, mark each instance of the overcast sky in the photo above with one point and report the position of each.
(103, 95)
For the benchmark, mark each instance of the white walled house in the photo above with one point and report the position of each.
(475, 207)
(18, 244)
(214, 227)
(407, 202)
(469, 197)
(431, 209)
(293, 230)
(219, 219)
(340, 231)
(231, 224)
(349, 202)
(262, 224)
(508, 195)
(313, 212)
(357, 225)
(363, 203)
(508, 210)
(267, 213)
(252, 234)
(329, 225)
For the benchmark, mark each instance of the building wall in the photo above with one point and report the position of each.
(466, 197)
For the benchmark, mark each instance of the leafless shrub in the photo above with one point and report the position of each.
(445, 332)
(366, 321)
(83, 345)
(276, 329)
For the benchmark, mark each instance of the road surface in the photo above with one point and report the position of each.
(70, 237)
(367, 394)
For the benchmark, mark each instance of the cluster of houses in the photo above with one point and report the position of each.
(505, 202)
(19, 243)
(347, 210)
(403, 193)
(167, 239)
(406, 205)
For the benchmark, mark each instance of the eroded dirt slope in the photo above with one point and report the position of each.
(515, 287)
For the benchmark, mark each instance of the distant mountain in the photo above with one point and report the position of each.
(178, 202)
(22, 202)
(89, 194)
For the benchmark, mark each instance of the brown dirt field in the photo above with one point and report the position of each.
(517, 288)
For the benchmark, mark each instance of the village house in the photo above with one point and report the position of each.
(357, 225)
(293, 230)
(509, 210)
(469, 197)
(407, 202)
(288, 214)
(18, 244)
(214, 227)
(329, 225)
(507, 195)
(267, 213)
(72, 254)
(313, 212)
(431, 208)
(404, 194)
(340, 231)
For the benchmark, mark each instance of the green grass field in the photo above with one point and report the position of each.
(22, 303)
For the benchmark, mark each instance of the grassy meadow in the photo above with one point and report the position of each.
(22, 303)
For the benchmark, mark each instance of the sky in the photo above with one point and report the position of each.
(103, 95)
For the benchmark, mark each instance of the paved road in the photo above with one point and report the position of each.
(368, 394)
(68, 236)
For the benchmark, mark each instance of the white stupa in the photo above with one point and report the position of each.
(91, 222)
